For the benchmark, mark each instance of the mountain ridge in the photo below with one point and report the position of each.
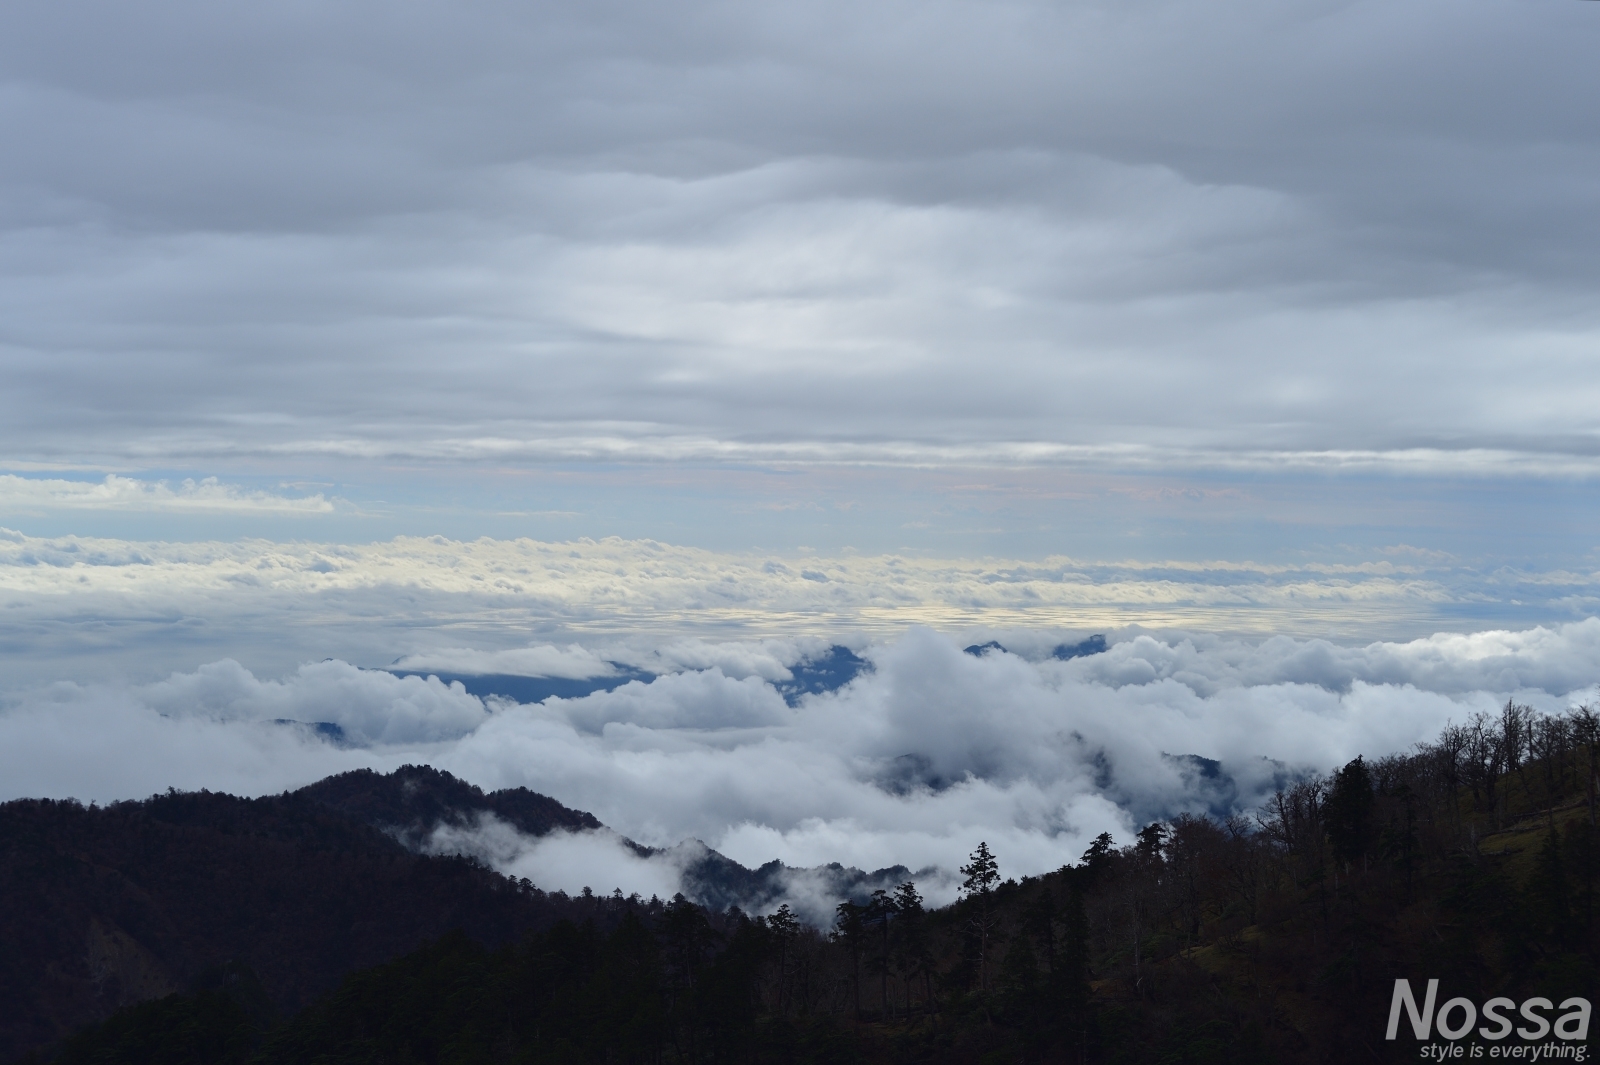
(105, 906)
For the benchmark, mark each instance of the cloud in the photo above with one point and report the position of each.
(130, 494)
(935, 749)
(370, 707)
(97, 608)
(1305, 235)
(911, 763)
(1558, 659)
(768, 659)
(572, 662)
(561, 860)
(99, 744)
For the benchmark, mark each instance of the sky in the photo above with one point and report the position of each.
(346, 331)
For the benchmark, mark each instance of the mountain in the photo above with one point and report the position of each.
(104, 906)
(823, 671)
(101, 907)
(525, 689)
(414, 800)
(1094, 645)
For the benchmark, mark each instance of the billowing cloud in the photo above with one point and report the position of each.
(911, 763)
(369, 707)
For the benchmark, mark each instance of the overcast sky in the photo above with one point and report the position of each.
(299, 240)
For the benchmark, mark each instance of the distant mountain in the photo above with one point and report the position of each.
(532, 689)
(1094, 645)
(718, 882)
(824, 672)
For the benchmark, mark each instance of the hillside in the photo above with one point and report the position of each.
(104, 907)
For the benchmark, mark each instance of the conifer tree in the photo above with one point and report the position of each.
(982, 873)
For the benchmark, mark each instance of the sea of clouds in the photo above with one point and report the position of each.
(929, 749)
(132, 611)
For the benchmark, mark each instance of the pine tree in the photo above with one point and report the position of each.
(912, 944)
(849, 928)
(881, 911)
(982, 873)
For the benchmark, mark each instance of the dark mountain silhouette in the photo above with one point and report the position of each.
(1094, 645)
(104, 906)
(824, 672)
(717, 882)
(414, 800)
(532, 689)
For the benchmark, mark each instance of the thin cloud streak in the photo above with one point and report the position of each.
(118, 493)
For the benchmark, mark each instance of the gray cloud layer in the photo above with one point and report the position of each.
(1163, 232)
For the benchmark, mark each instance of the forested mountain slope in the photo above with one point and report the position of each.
(101, 907)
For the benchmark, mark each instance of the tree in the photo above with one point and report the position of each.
(881, 910)
(687, 937)
(1348, 812)
(1151, 839)
(785, 928)
(1069, 970)
(1038, 921)
(1097, 857)
(982, 873)
(915, 959)
(1586, 731)
(849, 928)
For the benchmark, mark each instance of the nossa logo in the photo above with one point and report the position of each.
(1457, 1016)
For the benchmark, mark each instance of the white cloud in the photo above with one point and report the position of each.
(371, 706)
(1557, 659)
(96, 744)
(912, 763)
(561, 860)
(571, 662)
(768, 659)
(131, 494)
